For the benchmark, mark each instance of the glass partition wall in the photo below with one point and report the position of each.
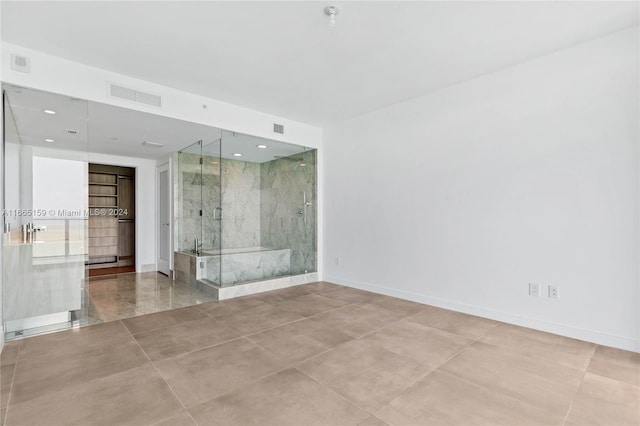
(245, 211)
(45, 235)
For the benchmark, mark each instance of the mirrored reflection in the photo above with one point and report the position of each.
(239, 209)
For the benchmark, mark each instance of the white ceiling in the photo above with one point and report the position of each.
(113, 130)
(282, 58)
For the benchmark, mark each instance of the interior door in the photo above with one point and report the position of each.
(164, 219)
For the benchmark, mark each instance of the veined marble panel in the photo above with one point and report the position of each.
(267, 285)
(284, 184)
(232, 268)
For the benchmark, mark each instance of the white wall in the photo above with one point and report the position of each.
(462, 197)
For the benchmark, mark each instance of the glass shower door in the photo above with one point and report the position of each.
(199, 214)
(212, 212)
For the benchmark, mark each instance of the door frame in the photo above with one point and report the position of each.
(163, 265)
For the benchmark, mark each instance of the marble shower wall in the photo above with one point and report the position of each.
(198, 187)
(240, 204)
(283, 182)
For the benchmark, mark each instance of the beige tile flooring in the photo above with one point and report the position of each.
(318, 354)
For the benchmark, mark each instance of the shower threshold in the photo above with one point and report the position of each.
(223, 292)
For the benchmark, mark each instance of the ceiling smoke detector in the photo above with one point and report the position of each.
(331, 12)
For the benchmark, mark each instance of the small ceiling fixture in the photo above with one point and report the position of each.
(49, 140)
(303, 164)
(331, 12)
(49, 111)
(237, 154)
(152, 144)
(261, 146)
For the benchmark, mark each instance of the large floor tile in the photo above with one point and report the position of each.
(365, 374)
(299, 340)
(563, 350)
(7, 368)
(162, 319)
(350, 295)
(425, 345)
(399, 307)
(343, 319)
(184, 337)
(199, 376)
(286, 398)
(453, 322)
(602, 401)
(372, 421)
(73, 342)
(616, 364)
(225, 308)
(181, 419)
(258, 318)
(308, 304)
(134, 397)
(544, 384)
(441, 399)
(370, 314)
(37, 376)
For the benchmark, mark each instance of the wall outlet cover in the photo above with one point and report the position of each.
(534, 289)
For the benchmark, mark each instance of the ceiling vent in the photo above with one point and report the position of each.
(135, 95)
(278, 128)
(20, 63)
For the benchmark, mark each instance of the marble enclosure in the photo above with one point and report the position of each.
(254, 221)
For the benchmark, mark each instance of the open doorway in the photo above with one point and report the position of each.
(112, 220)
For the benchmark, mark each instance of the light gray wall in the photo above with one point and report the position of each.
(461, 197)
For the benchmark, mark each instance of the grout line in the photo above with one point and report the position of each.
(164, 380)
(13, 377)
(580, 385)
(366, 410)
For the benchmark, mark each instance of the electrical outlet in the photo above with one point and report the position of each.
(553, 292)
(534, 289)
(337, 261)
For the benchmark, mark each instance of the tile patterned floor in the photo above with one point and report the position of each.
(318, 354)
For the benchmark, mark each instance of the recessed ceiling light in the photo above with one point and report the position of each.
(152, 144)
(214, 162)
(262, 146)
(49, 111)
(237, 154)
(48, 140)
(303, 164)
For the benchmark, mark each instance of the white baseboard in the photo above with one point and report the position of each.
(510, 318)
(149, 267)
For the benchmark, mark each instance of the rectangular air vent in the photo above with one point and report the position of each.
(135, 95)
(278, 128)
(20, 63)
